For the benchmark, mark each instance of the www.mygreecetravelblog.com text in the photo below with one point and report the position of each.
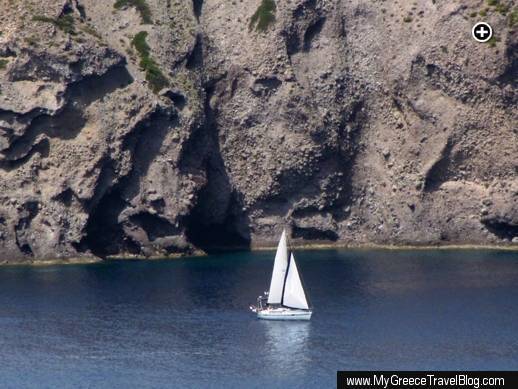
(426, 379)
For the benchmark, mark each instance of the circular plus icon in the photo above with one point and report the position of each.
(482, 32)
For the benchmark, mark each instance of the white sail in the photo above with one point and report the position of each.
(294, 296)
(279, 271)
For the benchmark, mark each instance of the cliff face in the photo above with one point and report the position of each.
(155, 127)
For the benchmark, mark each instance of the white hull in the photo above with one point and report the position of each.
(284, 314)
(286, 289)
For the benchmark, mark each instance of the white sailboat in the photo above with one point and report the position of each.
(286, 299)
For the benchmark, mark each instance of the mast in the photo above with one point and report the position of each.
(289, 254)
(280, 269)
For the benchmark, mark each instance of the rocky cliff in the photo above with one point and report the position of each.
(157, 127)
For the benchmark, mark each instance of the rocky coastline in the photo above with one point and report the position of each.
(162, 128)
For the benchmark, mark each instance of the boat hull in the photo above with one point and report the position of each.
(284, 314)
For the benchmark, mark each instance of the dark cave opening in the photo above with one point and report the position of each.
(502, 229)
(22, 228)
(217, 222)
(26, 249)
(314, 234)
(154, 225)
(103, 232)
(213, 236)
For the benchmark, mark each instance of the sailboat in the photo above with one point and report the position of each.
(286, 299)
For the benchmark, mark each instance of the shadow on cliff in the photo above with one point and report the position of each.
(501, 227)
(105, 233)
(70, 120)
(217, 222)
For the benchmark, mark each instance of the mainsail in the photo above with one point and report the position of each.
(294, 296)
(279, 271)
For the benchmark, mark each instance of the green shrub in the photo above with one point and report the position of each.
(140, 44)
(264, 16)
(492, 2)
(141, 6)
(3, 63)
(154, 76)
(503, 9)
(483, 13)
(407, 19)
(513, 17)
(65, 22)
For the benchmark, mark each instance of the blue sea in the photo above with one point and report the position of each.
(186, 323)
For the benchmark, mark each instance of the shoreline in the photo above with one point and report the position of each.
(306, 247)
(374, 246)
(51, 262)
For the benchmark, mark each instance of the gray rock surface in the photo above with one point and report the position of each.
(348, 122)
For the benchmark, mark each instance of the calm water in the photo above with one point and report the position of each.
(186, 323)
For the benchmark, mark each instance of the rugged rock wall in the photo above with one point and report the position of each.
(352, 122)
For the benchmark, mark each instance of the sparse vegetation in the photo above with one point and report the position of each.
(264, 16)
(492, 42)
(154, 76)
(513, 18)
(140, 5)
(78, 39)
(140, 44)
(3, 63)
(499, 7)
(90, 30)
(502, 9)
(65, 23)
(31, 40)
